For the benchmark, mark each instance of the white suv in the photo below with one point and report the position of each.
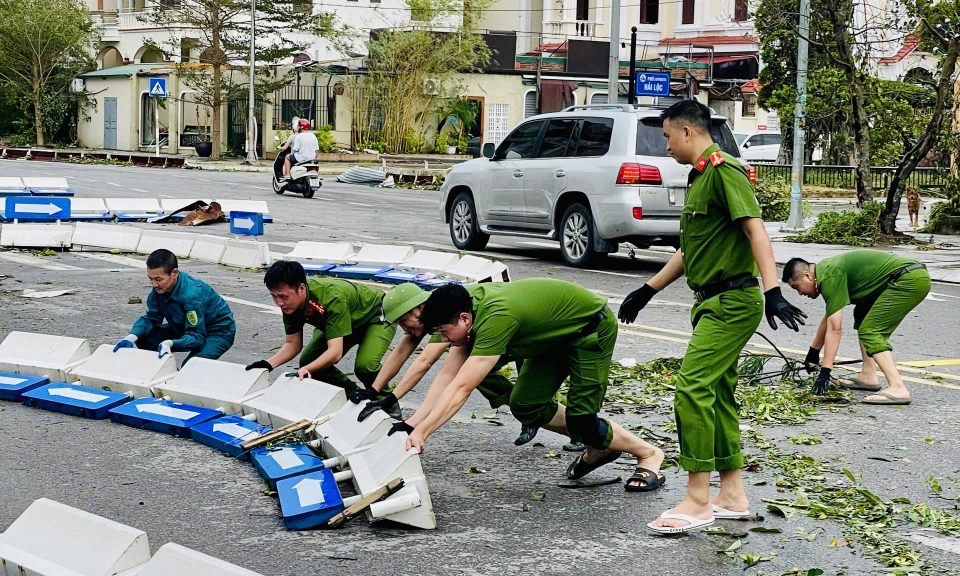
(758, 145)
(589, 177)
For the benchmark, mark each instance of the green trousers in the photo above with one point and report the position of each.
(373, 340)
(889, 310)
(585, 360)
(708, 424)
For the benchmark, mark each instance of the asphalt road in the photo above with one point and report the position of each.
(180, 491)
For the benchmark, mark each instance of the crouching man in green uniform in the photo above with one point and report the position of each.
(404, 306)
(343, 315)
(198, 320)
(722, 244)
(558, 329)
(883, 289)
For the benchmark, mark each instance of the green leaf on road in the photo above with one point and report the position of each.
(537, 496)
(765, 530)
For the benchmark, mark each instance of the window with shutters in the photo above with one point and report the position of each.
(688, 10)
(740, 13)
(649, 11)
(530, 105)
(749, 105)
(497, 122)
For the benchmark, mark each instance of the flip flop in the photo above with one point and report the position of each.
(891, 400)
(723, 513)
(693, 524)
(578, 469)
(853, 383)
(650, 481)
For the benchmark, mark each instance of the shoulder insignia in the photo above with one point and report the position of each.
(318, 308)
(701, 164)
(716, 159)
(192, 318)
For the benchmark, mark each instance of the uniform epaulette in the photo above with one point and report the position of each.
(716, 159)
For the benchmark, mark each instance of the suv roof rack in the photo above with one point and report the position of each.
(622, 107)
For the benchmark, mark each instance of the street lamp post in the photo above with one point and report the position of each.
(251, 118)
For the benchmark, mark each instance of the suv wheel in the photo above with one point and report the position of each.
(464, 230)
(576, 237)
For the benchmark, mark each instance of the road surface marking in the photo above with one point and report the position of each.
(165, 196)
(360, 204)
(608, 272)
(445, 248)
(268, 309)
(115, 259)
(923, 363)
(115, 184)
(36, 262)
(539, 244)
(944, 295)
(934, 541)
(139, 190)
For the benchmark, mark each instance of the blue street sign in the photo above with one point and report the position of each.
(227, 434)
(36, 208)
(309, 500)
(276, 464)
(162, 416)
(431, 283)
(76, 400)
(312, 268)
(158, 88)
(12, 386)
(246, 223)
(355, 272)
(398, 277)
(653, 83)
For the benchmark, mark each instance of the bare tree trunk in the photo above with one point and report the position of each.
(784, 156)
(861, 137)
(217, 108)
(888, 218)
(36, 116)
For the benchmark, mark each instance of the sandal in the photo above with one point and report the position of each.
(853, 383)
(644, 481)
(692, 524)
(578, 469)
(891, 400)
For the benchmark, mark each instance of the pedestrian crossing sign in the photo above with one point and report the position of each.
(158, 88)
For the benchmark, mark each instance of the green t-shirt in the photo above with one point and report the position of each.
(713, 243)
(335, 307)
(856, 277)
(528, 317)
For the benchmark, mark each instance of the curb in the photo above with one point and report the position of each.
(257, 169)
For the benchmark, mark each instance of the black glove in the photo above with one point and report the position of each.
(820, 386)
(260, 364)
(634, 303)
(400, 427)
(777, 306)
(374, 405)
(812, 361)
(361, 394)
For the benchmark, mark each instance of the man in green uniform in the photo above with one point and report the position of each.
(404, 306)
(883, 288)
(198, 320)
(343, 315)
(722, 244)
(558, 329)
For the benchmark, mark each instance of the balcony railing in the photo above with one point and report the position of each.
(582, 28)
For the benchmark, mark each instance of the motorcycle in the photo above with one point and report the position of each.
(304, 176)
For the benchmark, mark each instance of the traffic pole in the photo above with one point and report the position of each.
(795, 221)
(613, 80)
(632, 83)
(251, 118)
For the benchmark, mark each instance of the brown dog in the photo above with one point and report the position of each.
(913, 206)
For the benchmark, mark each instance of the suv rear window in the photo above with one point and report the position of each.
(652, 142)
(594, 137)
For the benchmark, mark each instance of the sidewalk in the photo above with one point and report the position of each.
(265, 166)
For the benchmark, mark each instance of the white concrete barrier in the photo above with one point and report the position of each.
(476, 269)
(215, 384)
(173, 559)
(208, 248)
(430, 261)
(246, 254)
(342, 435)
(11, 184)
(53, 539)
(149, 205)
(180, 243)
(87, 206)
(52, 184)
(326, 252)
(382, 255)
(290, 399)
(496, 272)
(43, 355)
(230, 205)
(110, 236)
(171, 205)
(36, 236)
(126, 370)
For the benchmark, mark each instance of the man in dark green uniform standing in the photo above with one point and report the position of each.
(404, 306)
(343, 315)
(558, 329)
(883, 288)
(723, 246)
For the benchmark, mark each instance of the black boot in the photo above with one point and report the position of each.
(527, 433)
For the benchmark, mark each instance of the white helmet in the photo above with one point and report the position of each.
(295, 123)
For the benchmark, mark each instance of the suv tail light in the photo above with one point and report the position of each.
(638, 213)
(752, 175)
(633, 174)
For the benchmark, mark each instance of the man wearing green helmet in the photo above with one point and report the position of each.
(402, 305)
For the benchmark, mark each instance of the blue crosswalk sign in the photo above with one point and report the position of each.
(653, 84)
(158, 88)
(36, 208)
(309, 500)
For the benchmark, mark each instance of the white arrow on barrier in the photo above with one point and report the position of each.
(234, 430)
(309, 491)
(6, 380)
(168, 411)
(77, 395)
(243, 223)
(286, 458)
(48, 209)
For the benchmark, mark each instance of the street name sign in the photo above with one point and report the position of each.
(653, 84)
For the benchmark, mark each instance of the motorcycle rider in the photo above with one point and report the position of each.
(295, 129)
(305, 147)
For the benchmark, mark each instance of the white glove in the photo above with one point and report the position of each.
(128, 342)
(165, 348)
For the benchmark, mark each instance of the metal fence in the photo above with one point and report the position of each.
(308, 96)
(844, 176)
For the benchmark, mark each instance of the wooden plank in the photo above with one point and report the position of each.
(365, 502)
(277, 434)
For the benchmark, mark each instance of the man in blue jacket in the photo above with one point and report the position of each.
(198, 320)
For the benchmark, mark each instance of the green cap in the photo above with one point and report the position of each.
(402, 299)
